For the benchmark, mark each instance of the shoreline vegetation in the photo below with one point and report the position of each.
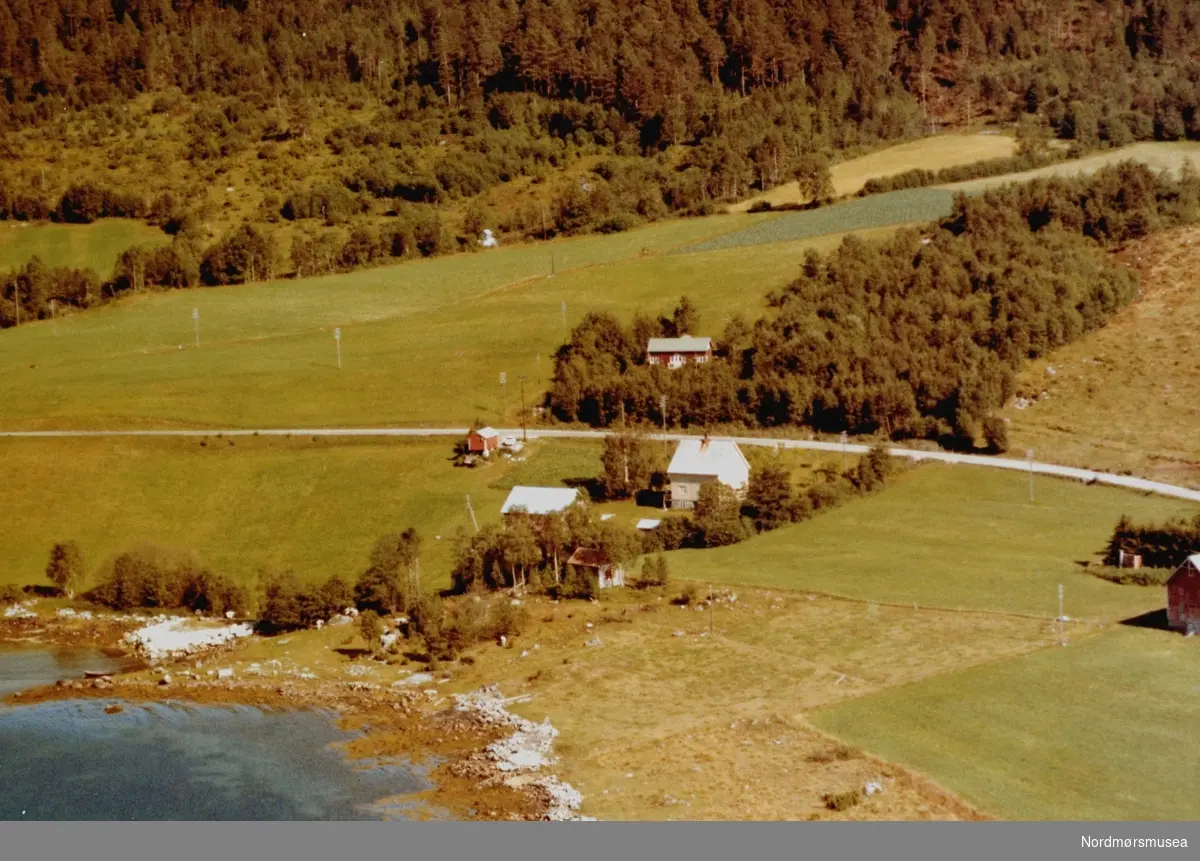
(488, 760)
(486, 763)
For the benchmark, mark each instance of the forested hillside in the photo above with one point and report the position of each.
(916, 337)
(272, 137)
(749, 85)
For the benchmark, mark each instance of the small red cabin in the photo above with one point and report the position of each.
(1183, 596)
(483, 441)
(677, 352)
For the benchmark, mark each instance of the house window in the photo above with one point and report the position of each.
(676, 361)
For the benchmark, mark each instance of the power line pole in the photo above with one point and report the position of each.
(845, 438)
(17, 301)
(710, 610)
(1029, 457)
(662, 408)
(337, 339)
(1062, 636)
(524, 435)
(563, 308)
(504, 392)
(196, 324)
(471, 511)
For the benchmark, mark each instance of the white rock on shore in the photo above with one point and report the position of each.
(525, 752)
(20, 611)
(177, 635)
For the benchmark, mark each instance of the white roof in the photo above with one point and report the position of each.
(686, 344)
(540, 500)
(720, 459)
(646, 523)
(487, 433)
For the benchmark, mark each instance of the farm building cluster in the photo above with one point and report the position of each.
(694, 463)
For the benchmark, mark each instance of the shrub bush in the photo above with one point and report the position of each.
(842, 800)
(10, 594)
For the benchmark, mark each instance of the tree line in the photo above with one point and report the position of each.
(1161, 545)
(746, 90)
(917, 336)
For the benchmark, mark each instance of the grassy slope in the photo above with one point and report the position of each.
(950, 537)
(422, 342)
(1098, 730)
(1159, 156)
(852, 216)
(311, 506)
(1127, 397)
(80, 246)
(930, 153)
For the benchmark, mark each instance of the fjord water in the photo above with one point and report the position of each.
(72, 760)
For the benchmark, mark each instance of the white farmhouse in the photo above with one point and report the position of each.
(697, 461)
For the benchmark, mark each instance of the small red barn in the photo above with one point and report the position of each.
(1183, 596)
(483, 441)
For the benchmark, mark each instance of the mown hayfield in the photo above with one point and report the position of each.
(1099, 730)
(316, 507)
(423, 342)
(80, 246)
(951, 537)
(1126, 397)
(1168, 155)
(930, 153)
(867, 213)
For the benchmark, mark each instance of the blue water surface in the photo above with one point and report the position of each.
(71, 760)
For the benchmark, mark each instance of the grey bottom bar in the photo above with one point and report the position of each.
(602, 841)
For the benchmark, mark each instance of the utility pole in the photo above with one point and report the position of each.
(524, 435)
(337, 339)
(539, 368)
(710, 610)
(845, 438)
(1029, 457)
(662, 408)
(624, 447)
(17, 301)
(196, 324)
(54, 317)
(504, 392)
(563, 308)
(1062, 636)
(471, 511)
(417, 573)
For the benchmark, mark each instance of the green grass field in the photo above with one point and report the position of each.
(867, 213)
(423, 342)
(80, 246)
(315, 507)
(1099, 730)
(953, 537)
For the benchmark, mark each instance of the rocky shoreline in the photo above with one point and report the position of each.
(488, 763)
